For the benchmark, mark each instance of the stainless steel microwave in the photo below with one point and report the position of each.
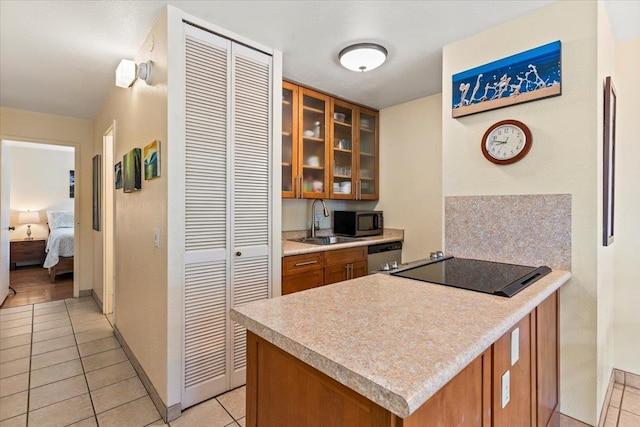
(358, 223)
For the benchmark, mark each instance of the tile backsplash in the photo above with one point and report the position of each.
(520, 229)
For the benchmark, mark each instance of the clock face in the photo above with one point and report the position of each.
(506, 142)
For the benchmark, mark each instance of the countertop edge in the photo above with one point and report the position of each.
(378, 393)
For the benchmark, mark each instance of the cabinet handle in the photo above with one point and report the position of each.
(11, 227)
(300, 264)
(238, 253)
(351, 270)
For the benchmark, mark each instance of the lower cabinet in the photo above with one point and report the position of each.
(301, 272)
(306, 271)
(282, 390)
(345, 264)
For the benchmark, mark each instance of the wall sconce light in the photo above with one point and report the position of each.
(29, 218)
(127, 73)
(362, 56)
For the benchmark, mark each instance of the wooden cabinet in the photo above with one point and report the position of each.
(345, 264)
(329, 147)
(290, 172)
(300, 272)
(517, 410)
(27, 251)
(296, 394)
(546, 373)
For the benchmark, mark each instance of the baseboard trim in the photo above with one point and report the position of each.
(97, 300)
(85, 293)
(168, 414)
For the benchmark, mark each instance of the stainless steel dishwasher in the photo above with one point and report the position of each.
(384, 256)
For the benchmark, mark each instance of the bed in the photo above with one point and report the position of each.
(60, 244)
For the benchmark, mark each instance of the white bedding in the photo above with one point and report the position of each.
(60, 243)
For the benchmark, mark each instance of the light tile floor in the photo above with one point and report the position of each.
(61, 365)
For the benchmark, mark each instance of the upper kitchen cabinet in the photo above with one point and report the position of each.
(290, 171)
(343, 161)
(329, 147)
(312, 131)
(367, 157)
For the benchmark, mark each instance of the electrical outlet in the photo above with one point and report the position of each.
(505, 388)
(515, 346)
(156, 237)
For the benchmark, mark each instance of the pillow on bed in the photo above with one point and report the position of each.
(60, 219)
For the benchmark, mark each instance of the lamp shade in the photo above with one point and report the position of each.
(363, 56)
(29, 217)
(125, 73)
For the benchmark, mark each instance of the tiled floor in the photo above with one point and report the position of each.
(624, 407)
(61, 365)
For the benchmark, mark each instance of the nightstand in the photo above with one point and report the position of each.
(27, 251)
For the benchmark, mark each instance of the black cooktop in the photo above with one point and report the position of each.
(482, 276)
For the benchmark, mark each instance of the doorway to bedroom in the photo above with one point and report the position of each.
(39, 199)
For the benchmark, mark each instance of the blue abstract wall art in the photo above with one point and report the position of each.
(526, 76)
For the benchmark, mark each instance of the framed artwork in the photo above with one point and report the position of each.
(117, 175)
(72, 184)
(523, 77)
(609, 160)
(131, 171)
(151, 155)
(97, 196)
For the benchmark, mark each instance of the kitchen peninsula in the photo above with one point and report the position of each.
(382, 350)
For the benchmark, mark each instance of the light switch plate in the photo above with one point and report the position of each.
(505, 388)
(515, 346)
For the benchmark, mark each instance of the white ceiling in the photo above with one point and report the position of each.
(59, 57)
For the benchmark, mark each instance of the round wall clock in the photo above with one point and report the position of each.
(506, 142)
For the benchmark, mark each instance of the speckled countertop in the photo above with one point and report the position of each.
(296, 248)
(395, 341)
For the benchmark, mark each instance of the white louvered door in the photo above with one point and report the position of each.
(227, 200)
(251, 190)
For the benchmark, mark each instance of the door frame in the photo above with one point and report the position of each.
(77, 254)
(108, 231)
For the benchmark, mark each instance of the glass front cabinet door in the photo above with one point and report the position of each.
(290, 173)
(367, 159)
(314, 115)
(343, 160)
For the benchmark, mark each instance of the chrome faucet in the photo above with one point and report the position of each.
(325, 212)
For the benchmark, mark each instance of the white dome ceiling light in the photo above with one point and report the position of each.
(362, 56)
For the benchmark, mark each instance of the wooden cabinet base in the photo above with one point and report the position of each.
(284, 391)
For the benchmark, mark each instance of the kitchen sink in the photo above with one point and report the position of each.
(326, 240)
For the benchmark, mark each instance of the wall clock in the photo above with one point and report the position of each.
(506, 142)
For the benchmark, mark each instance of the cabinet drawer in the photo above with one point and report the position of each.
(297, 264)
(342, 256)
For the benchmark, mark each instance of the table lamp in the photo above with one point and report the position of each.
(29, 217)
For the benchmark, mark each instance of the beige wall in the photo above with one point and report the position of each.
(605, 281)
(140, 306)
(20, 125)
(39, 182)
(411, 173)
(296, 214)
(563, 160)
(627, 209)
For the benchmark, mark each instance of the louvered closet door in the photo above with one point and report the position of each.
(228, 206)
(251, 130)
(207, 242)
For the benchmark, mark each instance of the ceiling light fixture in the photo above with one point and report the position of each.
(362, 56)
(127, 73)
